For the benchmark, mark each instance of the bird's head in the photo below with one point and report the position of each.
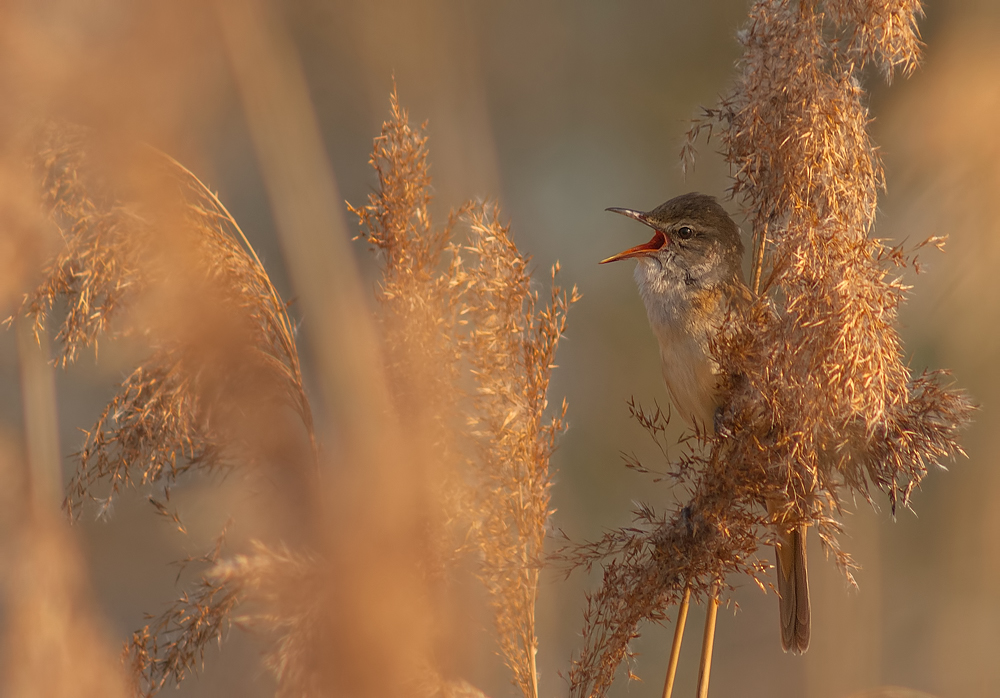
(694, 242)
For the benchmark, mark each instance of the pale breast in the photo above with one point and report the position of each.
(683, 317)
(691, 376)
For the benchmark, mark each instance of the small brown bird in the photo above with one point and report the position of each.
(690, 277)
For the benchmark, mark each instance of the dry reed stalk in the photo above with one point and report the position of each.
(150, 253)
(55, 642)
(448, 313)
(145, 251)
(375, 494)
(420, 322)
(38, 401)
(26, 239)
(420, 313)
(201, 300)
(439, 321)
(312, 229)
(820, 400)
(511, 351)
(448, 310)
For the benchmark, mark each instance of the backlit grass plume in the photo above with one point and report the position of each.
(821, 403)
(150, 254)
(272, 590)
(511, 350)
(168, 266)
(470, 351)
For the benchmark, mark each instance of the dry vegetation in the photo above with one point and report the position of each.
(163, 262)
(200, 298)
(821, 403)
(472, 312)
(469, 350)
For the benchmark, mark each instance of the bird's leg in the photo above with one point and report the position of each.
(708, 641)
(675, 648)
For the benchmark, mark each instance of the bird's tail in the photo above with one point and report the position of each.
(793, 588)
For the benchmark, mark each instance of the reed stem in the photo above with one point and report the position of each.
(41, 429)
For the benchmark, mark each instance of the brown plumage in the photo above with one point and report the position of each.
(690, 277)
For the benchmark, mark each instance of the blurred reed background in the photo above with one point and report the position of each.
(557, 110)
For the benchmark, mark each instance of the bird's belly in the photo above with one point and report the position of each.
(691, 377)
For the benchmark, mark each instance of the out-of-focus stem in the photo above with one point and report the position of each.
(675, 648)
(306, 205)
(41, 424)
(370, 505)
(708, 642)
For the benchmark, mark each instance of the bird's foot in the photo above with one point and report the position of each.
(720, 421)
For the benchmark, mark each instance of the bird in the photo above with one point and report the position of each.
(690, 277)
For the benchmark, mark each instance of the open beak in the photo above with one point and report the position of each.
(646, 249)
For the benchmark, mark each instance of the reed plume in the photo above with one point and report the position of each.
(820, 401)
(511, 351)
(172, 645)
(150, 254)
(176, 251)
(821, 404)
(451, 312)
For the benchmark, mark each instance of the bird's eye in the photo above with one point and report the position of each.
(684, 232)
